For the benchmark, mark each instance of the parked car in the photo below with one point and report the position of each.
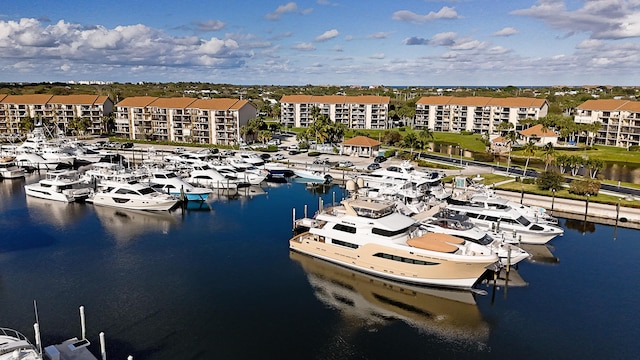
(294, 152)
(379, 159)
(265, 156)
(373, 166)
(345, 164)
(127, 145)
(278, 157)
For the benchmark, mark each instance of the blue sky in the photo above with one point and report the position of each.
(337, 42)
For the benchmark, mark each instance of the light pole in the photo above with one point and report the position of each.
(553, 199)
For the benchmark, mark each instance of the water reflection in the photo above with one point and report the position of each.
(126, 225)
(540, 253)
(55, 213)
(372, 303)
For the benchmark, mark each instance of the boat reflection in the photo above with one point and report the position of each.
(540, 253)
(55, 213)
(368, 301)
(126, 225)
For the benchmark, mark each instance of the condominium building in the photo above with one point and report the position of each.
(476, 114)
(619, 119)
(53, 109)
(204, 121)
(356, 112)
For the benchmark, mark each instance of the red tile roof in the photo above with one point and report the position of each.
(537, 130)
(602, 104)
(137, 101)
(361, 141)
(37, 99)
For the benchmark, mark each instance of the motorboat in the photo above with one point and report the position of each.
(249, 174)
(445, 222)
(313, 175)
(533, 213)
(9, 169)
(202, 174)
(516, 227)
(33, 161)
(401, 173)
(250, 158)
(132, 195)
(278, 170)
(60, 185)
(170, 183)
(15, 346)
(372, 237)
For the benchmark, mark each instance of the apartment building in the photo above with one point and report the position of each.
(356, 112)
(619, 119)
(476, 114)
(53, 109)
(204, 121)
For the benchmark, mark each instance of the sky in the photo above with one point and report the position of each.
(324, 42)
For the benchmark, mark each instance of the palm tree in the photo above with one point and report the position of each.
(549, 152)
(27, 124)
(594, 165)
(411, 141)
(425, 135)
(512, 138)
(529, 150)
(561, 161)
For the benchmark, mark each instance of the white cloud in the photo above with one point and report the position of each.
(508, 31)
(377, 56)
(409, 16)
(379, 35)
(304, 46)
(210, 25)
(444, 39)
(327, 35)
(281, 10)
(602, 19)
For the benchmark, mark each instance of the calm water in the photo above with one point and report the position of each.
(219, 283)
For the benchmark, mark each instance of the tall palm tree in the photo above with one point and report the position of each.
(512, 138)
(529, 150)
(425, 135)
(548, 151)
(594, 165)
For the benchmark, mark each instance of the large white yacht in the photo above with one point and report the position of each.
(518, 228)
(370, 236)
(60, 185)
(202, 174)
(131, 195)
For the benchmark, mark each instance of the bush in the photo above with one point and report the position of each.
(550, 180)
(390, 153)
(313, 153)
(584, 187)
(634, 148)
(529, 181)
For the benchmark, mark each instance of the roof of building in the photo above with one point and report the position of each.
(329, 99)
(335, 99)
(304, 99)
(137, 101)
(173, 102)
(482, 101)
(218, 104)
(539, 131)
(2, 96)
(498, 139)
(631, 106)
(434, 100)
(368, 99)
(78, 99)
(602, 104)
(27, 99)
(361, 141)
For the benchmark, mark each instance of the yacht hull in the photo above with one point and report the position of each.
(434, 270)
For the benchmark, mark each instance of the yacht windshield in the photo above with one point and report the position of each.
(522, 220)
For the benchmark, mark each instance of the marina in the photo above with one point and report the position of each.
(197, 281)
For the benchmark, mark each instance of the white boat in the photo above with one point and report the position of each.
(535, 214)
(131, 195)
(312, 175)
(202, 174)
(34, 161)
(370, 236)
(516, 227)
(15, 346)
(400, 174)
(60, 185)
(170, 183)
(444, 222)
(250, 158)
(9, 169)
(249, 174)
